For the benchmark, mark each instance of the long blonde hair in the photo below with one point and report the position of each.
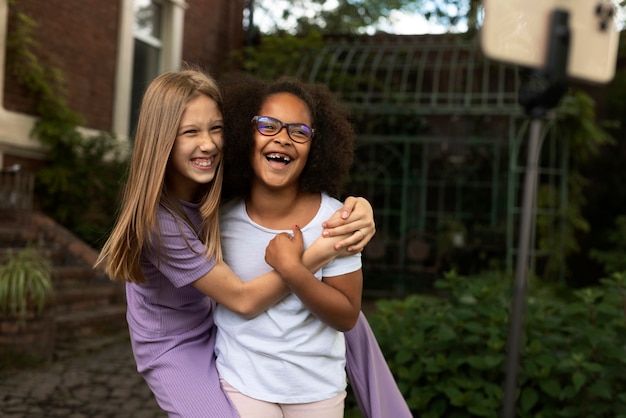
(161, 111)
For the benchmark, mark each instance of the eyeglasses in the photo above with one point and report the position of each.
(298, 132)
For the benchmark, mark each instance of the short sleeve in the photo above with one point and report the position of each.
(179, 254)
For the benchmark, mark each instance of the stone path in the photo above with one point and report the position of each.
(100, 384)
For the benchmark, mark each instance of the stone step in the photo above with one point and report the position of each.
(65, 275)
(94, 344)
(13, 235)
(78, 325)
(90, 309)
(88, 298)
(55, 254)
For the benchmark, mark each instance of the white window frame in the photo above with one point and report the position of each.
(171, 43)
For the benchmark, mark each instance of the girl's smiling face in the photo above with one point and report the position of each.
(197, 149)
(278, 161)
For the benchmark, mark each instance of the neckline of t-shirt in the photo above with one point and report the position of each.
(310, 224)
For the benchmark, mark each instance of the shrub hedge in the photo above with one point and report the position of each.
(448, 350)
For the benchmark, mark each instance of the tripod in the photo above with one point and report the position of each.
(542, 90)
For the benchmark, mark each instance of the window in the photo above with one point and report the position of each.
(150, 42)
(148, 45)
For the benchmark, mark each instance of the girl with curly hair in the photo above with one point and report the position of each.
(289, 146)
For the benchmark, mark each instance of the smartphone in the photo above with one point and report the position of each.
(516, 31)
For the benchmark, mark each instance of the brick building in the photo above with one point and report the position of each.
(107, 51)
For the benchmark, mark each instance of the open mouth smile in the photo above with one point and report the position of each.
(278, 158)
(204, 162)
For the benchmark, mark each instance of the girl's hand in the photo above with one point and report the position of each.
(356, 218)
(322, 251)
(284, 251)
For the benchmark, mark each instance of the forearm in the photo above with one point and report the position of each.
(321, 252)
(337, 304)
(261, 293)
(336, 308)
(255, 296)
(313, 260)
(245, 298)
(267, 290)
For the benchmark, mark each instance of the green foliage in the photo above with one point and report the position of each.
(79, 184)
(576, 120)
(44, 83)
(613, 259)
(281, 54)
(25, 283)
(448, 351)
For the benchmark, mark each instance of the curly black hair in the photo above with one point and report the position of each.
(332, 145)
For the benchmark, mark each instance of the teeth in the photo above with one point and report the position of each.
(203, 163)
(277, 156)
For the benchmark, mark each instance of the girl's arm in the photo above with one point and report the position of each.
(255, 296)
(356, 220)
(336, 301)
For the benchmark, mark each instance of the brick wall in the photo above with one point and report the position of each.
(34, 338)
(80, 39)
(212, 30)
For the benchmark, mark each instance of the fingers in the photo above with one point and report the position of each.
(285, 235)
(348, 207)
(366, 226)
(285, 250)
(342, 214)
(355, 242)
(355, 220)
(356, 212)
(368, 231)
(297, 235)
(335, 220)
(363, 240)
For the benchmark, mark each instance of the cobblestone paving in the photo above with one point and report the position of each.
(100, 384)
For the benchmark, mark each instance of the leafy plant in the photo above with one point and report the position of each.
(577, 121)
(612, 259)
(79, 184)
(448, 350)
(25, 283)
(281, 54)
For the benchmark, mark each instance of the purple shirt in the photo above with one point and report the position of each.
(171, 323)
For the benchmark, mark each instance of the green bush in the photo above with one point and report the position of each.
(612, 258)
(448, 351)
(79, 185)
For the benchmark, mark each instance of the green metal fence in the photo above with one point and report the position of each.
(440, 153)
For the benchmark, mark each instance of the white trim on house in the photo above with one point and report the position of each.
(15, 127)
(174, 25)
(123, 78)
(171, 55)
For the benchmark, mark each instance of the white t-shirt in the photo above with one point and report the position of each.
(285, 354)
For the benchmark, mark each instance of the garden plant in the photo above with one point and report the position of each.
(448, 349)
